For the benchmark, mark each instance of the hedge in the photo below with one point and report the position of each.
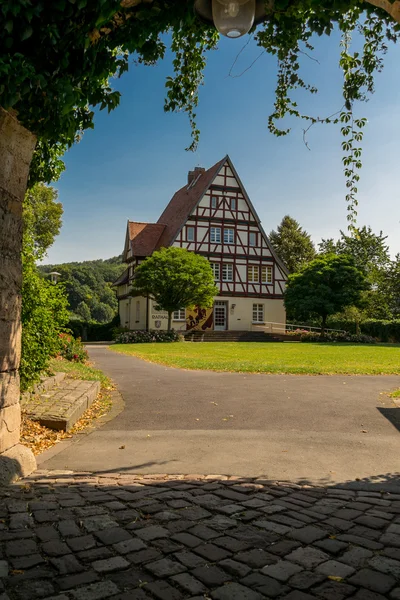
(90, 331)
(381, 330)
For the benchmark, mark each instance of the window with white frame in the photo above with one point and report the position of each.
(137, 311)
(233, 203)
(215, 235)
(190, 234)
(180, 315)
(258, 313)
(216, 269)
(266, 274)
(229, 236)
(252, 238)
(214, 202)
(253, 274)
(227, 272)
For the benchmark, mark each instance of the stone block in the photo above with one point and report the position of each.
(16, 148)
(235, 591)
(9, 389)
(16, 462)
(10, 422)
(282, 570)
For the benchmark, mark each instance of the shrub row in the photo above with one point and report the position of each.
(90, 331)
(383, 331)
(337, 337)
(142, 337)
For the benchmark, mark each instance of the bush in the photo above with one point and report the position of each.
(90, 331)
(337, 337)
(143, 337)
(384, 331)
(381, 330)
(71, 348)
(44, 315)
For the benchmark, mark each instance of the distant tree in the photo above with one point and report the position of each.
(42, 216)
(103, 313)
(90, 282)
(371, 254)
(83, 311)
(391, 287)
(292, 244)
(175, 278)
(325, 286)
(369, 250)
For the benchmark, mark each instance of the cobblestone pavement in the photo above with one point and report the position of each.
(76, 536)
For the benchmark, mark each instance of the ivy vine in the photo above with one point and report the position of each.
(57, 60)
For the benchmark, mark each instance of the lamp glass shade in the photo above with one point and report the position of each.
(233, 18)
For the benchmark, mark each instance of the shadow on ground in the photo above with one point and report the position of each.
(392, 415)
(125, 537)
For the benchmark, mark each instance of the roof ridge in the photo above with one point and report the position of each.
(142, 222)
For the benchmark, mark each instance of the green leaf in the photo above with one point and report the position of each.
(26, 33)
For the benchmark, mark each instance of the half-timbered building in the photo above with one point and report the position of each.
(211, 215)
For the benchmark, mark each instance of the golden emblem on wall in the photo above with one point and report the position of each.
(199, 319)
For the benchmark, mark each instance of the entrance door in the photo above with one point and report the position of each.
(220, 316)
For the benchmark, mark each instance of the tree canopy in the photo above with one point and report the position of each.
(293, 245)
(325, 286)
(42, 216)
(88, 285)
(175, 278)
(57, 59)
(370, 253)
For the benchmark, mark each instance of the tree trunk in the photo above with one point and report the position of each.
(392, 8)
(16, 148)
(169, 321)
(323, 325)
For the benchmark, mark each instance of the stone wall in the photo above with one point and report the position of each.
(16, 149)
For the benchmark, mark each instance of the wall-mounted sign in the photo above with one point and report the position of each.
(199, 319)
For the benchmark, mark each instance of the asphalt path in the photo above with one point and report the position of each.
(317, 429)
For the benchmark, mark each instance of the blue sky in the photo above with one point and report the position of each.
(130, 165)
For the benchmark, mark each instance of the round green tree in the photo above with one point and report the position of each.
(175, 278)
(324, 287)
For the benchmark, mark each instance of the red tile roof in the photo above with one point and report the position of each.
(183, 202)
(147, 237)
(144, 237)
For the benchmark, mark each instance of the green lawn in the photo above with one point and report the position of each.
(76, 370)
(295, 358)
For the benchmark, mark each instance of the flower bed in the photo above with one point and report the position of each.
(72, 349)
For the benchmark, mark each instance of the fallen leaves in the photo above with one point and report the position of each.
(121, 448)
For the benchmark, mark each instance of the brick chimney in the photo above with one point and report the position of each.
(192, 175)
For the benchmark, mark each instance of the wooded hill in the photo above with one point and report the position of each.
(89, 287)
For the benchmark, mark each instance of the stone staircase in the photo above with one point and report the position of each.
(235, 336)
(58, 402)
